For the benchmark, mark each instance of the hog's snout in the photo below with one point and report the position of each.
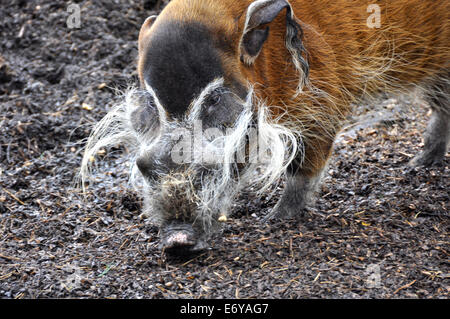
(181, 238)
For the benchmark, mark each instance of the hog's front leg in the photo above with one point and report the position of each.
(437, 136)
(302, 179)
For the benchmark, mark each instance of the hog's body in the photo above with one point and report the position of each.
(286, 71)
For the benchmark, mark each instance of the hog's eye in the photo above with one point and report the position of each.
(144, 117)
(213, 100)
(148, 101)
(215, 97)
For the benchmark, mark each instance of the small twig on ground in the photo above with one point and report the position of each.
(13, 196)
(405, 286)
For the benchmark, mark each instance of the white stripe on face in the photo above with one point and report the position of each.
(162, 112)
(196, 105)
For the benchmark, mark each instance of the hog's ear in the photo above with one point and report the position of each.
(256, 30)
(145, 29)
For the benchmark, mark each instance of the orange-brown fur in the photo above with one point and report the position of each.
(347, 59)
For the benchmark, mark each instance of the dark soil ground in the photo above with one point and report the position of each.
(377, 230)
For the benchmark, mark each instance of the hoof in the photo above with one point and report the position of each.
(285, 211)
(426, 160)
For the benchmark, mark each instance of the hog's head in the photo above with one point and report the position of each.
(196, 129)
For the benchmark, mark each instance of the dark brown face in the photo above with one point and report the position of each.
(180, 62)
(181, 59)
